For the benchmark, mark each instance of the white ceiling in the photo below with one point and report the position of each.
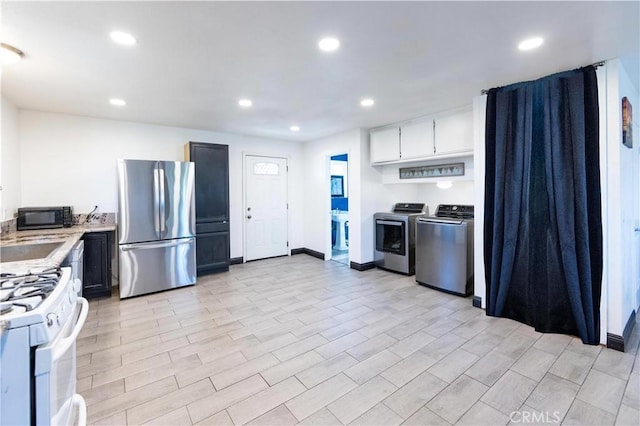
(194, 60)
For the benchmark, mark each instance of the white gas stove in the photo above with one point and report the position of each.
(40, 318)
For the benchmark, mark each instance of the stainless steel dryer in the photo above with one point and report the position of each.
(444, 249)
(395, 237)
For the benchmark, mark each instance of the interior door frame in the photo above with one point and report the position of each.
(636, 239)
(327, 178)
(246, 154)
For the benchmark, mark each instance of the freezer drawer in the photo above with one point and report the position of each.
(444, 255)
(156, 266)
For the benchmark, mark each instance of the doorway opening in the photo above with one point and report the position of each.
(339, 193)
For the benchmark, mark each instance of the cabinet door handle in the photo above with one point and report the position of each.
(248, 216)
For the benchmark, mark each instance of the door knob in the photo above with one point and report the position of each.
(248, 216)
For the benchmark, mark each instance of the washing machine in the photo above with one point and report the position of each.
(444, 249)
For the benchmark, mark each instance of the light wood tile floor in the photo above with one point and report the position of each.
(297, 340)
(340, 256)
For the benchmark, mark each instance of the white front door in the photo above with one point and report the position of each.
(265, 207)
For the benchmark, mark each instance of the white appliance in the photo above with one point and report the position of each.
(41, 316)
(75, 260)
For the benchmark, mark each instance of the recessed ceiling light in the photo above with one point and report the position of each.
(367, 102)
(294, 128)
(9, 54)
(329, 44)
(117, 102)
(530, 43)
(245, 103)
(123, 38)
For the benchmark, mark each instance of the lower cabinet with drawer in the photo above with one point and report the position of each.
(212, 252)
(212, 247)
(96, 280)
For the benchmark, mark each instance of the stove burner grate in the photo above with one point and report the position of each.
(18, 287)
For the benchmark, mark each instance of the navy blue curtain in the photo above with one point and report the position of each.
(543, 223)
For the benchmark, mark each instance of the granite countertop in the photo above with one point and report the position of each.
(67, 236)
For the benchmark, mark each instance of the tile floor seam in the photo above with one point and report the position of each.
(211, 380)
(133, 406)
(619, 408)
(478, 399)
(573, 398)
(377, 297)
(413, 412)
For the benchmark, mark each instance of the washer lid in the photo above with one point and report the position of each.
(442, 220)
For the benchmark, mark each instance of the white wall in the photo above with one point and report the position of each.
(479, 118)
(462, 192)
(377, 197)
(317, 196)
(601, 75)
(426, 191)
(621, 199)
(631, 190)
(71, 160)
(9, 160)
(367, 194)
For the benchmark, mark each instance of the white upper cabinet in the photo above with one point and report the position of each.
(449, 134)
(454, 133)
(416, 139)
(385, 144)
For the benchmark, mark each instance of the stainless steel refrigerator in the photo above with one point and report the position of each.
(156, 226)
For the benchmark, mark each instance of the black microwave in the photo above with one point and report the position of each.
(44, 217)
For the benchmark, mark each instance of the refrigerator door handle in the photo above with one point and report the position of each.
(156, 200)
(162, 206)
(163, 244)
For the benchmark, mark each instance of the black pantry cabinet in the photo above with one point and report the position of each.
(212, 205)
(96, 273)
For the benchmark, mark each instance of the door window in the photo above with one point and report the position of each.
(266, 169)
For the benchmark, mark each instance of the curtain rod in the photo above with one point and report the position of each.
(595, 65)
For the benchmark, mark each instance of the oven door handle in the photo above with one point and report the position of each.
(79, 402)
(388, 222)
(65, 343)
